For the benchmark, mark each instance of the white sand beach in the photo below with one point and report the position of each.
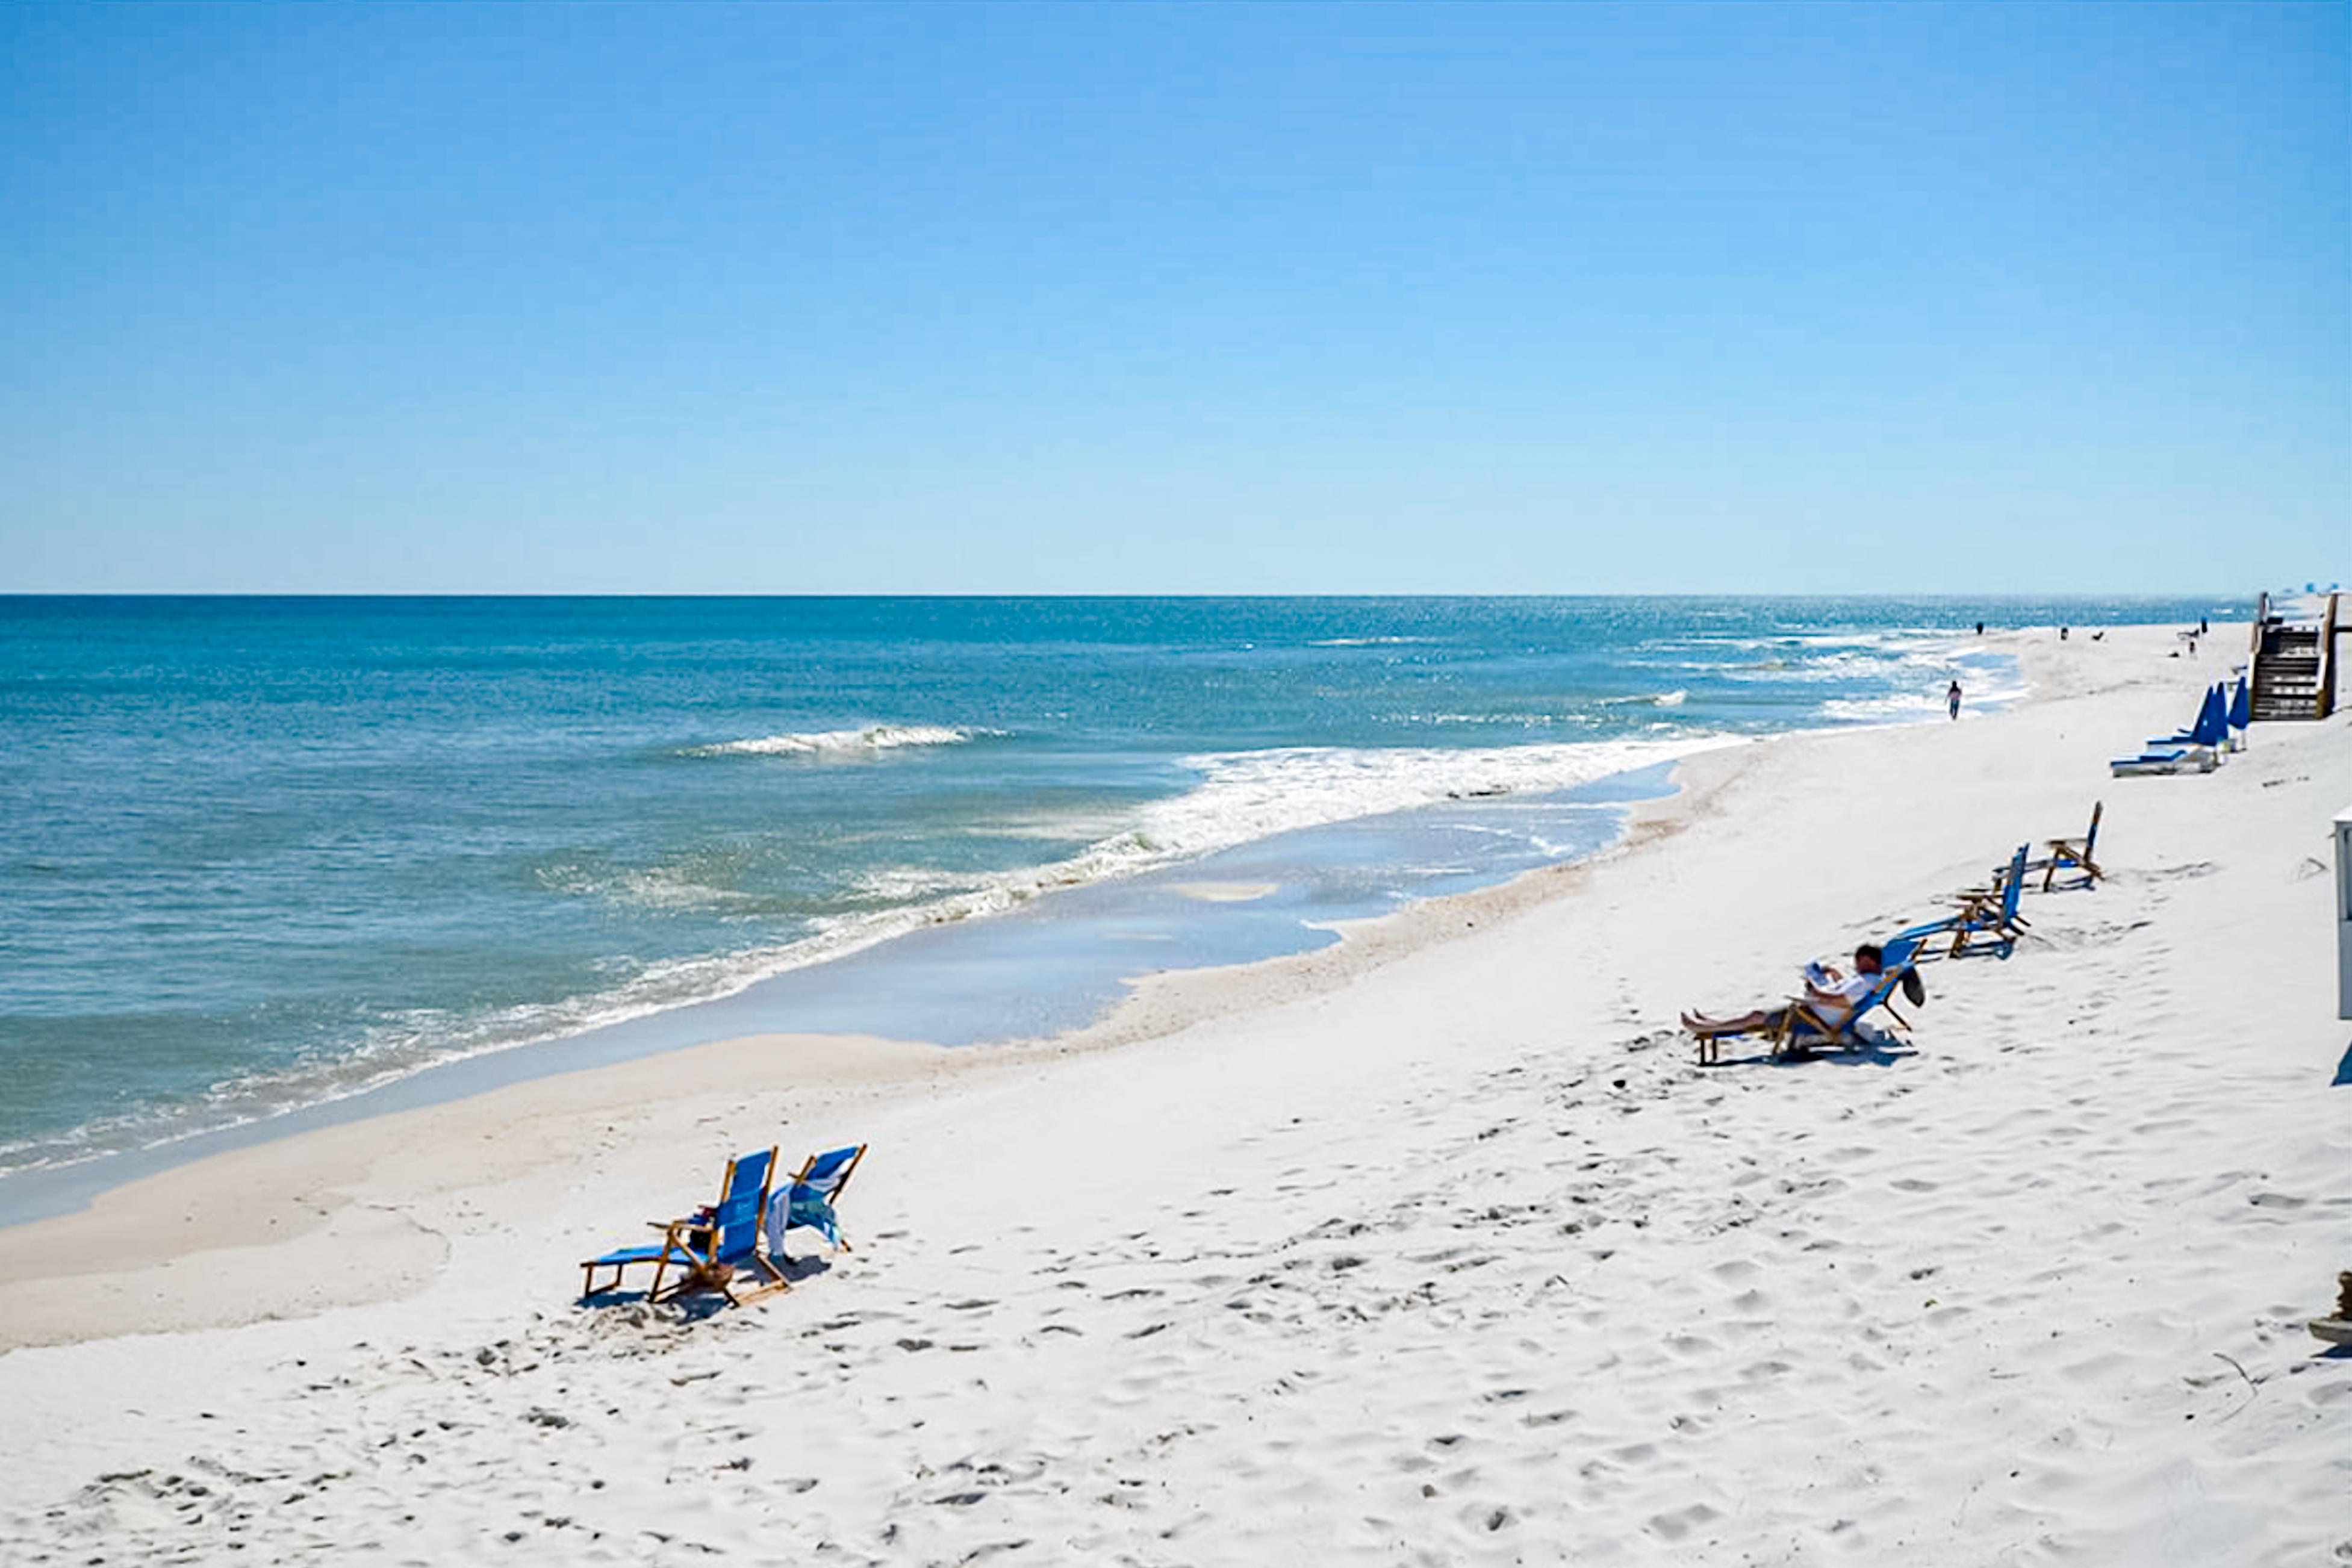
(1435, 1247)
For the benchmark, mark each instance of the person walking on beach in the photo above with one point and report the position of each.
(1952, 700)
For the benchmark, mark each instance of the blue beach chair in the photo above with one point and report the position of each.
(2176, 760)
(1983, 911)
(707, 1247)
(2195, 749)
(807, 1203)
(2072, 853)
(1799, 1027)
(1802, 1028)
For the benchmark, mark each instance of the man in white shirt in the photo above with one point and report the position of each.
(1832, 995)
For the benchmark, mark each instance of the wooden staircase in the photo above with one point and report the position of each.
(2295, 667)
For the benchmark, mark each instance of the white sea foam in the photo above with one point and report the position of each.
(1244, 796)
(842, 742)
(1895, 705)
(1247, 795)
(665, 887)
(904, 884)
(1497, 721)
(1928, 663)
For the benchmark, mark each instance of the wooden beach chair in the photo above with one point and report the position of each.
(807, 1203)
(2073, 852)
(1983, 911)
(707, 1247)
(1801, 1026)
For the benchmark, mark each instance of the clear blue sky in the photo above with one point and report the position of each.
(1122, 298)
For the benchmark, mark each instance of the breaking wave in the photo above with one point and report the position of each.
(841, 743)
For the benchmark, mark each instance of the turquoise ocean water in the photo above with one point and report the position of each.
(261, 854)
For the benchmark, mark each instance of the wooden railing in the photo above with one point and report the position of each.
(2326, 697)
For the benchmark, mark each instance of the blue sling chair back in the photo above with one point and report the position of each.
(708, 1248)
(807, 1203)
(2212, 726)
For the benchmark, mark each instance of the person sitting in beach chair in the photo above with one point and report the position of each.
(1830, 996)
(1831, 1012)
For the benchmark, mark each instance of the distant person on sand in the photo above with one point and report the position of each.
(1980, 628)
(1952, 700)
(2062, 634)
(1833, 996)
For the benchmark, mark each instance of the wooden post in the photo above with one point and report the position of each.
(2326, 697)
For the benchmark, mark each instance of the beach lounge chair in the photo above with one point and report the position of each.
(707, 1247)
(2181, 759)
(807, 1203)
(1983, 911)
(1802, 1027)
(2197, 749)
(2072, 852)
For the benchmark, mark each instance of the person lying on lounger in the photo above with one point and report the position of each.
(1830, 995)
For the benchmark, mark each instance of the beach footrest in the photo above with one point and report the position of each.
(2193, 760)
